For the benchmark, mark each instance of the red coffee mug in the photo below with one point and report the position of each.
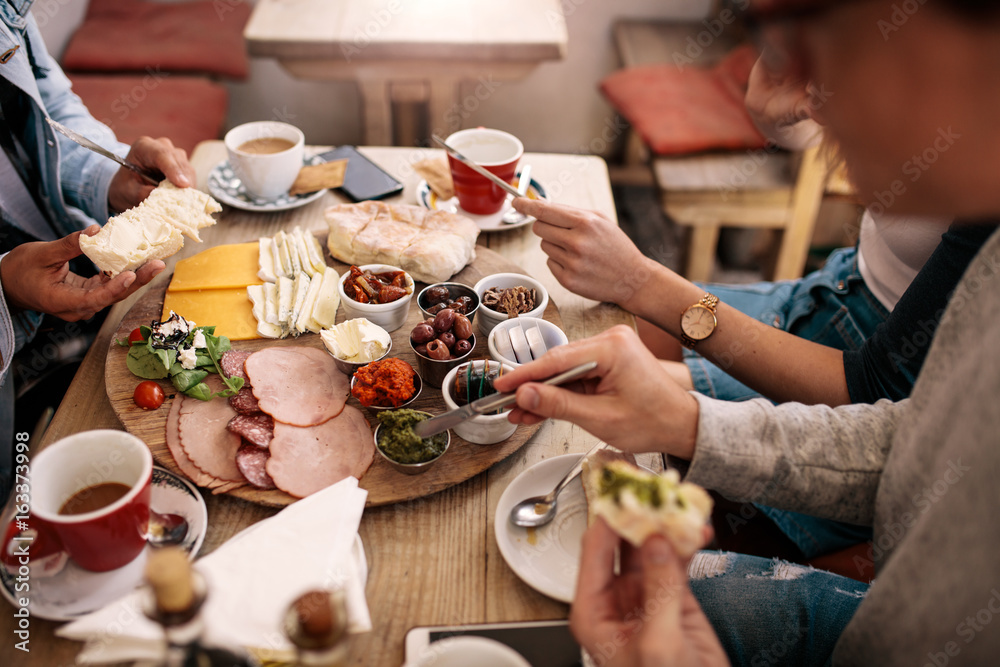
(107, 537)
(496, 151)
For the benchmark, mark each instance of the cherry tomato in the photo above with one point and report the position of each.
(135, 336)
(148, 395)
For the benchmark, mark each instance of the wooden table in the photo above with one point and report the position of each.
(434, 561)
(400, 51)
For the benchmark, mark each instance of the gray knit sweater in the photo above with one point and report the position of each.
(924, 472)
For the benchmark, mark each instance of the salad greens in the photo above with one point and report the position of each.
(150, 361)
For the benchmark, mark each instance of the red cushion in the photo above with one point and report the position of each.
(687, 110)
(186, 110)
(132, 35)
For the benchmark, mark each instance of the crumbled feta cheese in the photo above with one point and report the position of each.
(199, 339)
(188, 358)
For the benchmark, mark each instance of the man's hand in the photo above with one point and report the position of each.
(128, 188)
(629, 400)
(644, 616)
(36, 276)
(588, 254)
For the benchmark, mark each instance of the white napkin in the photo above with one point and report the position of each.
(252, 579)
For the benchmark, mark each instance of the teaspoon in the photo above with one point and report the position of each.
(539, 510)
(166, 529)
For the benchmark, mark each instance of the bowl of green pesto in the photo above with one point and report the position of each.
(403, 449)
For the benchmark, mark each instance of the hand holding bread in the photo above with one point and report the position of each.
(128, 189)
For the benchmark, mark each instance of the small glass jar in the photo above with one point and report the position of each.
(316, 624)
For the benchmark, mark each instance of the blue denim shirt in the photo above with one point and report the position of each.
(75, 181)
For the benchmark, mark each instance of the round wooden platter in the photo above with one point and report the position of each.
(385, 485)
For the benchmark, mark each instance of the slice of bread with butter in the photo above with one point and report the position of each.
(151, 230)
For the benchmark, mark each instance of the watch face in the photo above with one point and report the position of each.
(698, 322)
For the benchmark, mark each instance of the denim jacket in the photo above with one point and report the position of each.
(74, 181)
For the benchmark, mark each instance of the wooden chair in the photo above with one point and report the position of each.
(756, 188)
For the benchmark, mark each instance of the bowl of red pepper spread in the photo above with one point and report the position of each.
(386, 384)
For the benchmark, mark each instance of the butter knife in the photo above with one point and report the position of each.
(153, 177)
(503, 185)
(483, 406)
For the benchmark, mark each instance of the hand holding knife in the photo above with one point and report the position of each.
(488, 404)
(152, 176)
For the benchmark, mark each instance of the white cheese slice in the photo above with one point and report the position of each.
(315, 251)
(325, 310)
(259, 301)
(300, 289)
(535, 342)
(265, 261)
(294, 264)
(520, 344)
(302, 252)
(285, 253)
(286, 298)
(305, 322)
(279, 266)
(271, 303)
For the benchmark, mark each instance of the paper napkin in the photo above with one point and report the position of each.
(252, 579)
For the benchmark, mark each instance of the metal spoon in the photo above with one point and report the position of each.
(539, 510)
(513, 216)
(166, 529)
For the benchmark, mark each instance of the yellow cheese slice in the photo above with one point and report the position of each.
(228, 309)
(221, 267)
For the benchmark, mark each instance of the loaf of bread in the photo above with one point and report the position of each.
(151, 230)
(431, 246)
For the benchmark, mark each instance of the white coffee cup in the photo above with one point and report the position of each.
(265, 175)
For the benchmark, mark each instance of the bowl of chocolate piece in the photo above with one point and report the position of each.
(508, 295)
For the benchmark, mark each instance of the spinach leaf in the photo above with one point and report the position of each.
(145, 364)
(185, 379)
(201, 392)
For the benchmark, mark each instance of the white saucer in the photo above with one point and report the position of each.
(227, 188)
(548, 558)
(488, 223)
(74, 591)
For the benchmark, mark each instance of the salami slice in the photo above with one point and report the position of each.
(245, 402)
(257, 429)
(232, 363)
(252, 462)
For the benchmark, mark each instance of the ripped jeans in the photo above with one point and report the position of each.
(770, 612)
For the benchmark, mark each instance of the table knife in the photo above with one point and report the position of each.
(503, 185)
(488, 404)
(152, 176)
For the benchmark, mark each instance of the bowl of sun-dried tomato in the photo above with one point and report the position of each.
(378, 292)
(386, 384)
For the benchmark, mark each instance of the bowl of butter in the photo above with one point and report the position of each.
(356, 343)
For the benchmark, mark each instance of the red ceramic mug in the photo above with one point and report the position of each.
(496, 151)
(106, 537)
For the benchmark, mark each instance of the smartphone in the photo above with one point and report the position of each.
(542, 643)
(364, 179)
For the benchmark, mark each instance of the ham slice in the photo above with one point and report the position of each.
(204, 437)
(174, 445)
(305, 460)
(300, 386)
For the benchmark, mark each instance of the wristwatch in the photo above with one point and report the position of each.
(698, 322)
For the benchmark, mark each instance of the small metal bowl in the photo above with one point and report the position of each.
(348, 367)
(412, 468)
(435, 370)
(376, 408)
(455, 290)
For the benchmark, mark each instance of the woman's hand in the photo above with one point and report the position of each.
(782, 108)
(644, 616)
(588, 254)
(629, 400)
(127, 188)
(36, 276)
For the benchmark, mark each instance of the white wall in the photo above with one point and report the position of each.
(557, 108)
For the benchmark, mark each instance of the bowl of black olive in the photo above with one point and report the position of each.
(455, 296)
(440, 343)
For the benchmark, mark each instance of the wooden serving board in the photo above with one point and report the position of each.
(385, 485)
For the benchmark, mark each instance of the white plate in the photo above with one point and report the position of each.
(546, 558)
(74, 591)
(488, 223)
(227, 188)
